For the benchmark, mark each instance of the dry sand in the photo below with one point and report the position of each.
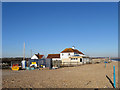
(85, 76)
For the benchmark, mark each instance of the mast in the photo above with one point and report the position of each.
(24, 52)
(31, 52)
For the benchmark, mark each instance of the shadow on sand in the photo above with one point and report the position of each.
(110, 81)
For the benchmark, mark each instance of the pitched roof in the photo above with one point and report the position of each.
(71, 50)
(53, 56)
(39, 56)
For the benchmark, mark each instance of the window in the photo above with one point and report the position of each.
(62, 54)
(68, 53)
(74, 58)
(80, 59)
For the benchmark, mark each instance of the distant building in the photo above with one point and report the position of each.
(37, 56)
(100, 59)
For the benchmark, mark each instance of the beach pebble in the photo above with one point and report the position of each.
(12, 80)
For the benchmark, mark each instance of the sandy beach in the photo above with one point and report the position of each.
(84, 76)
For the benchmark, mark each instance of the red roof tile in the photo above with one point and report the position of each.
(39, 56)
(71, 50)
(53, 56)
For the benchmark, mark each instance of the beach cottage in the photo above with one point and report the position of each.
(70, 56)
(37, 56)
(36, 60)
(69, 52)
(73, 56)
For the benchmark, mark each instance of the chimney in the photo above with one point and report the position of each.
(73, 47)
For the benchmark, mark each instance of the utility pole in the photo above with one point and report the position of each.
(24, 52)
(31, 52)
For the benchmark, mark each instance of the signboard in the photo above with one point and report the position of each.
(33, 62)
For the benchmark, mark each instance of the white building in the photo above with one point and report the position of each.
(69, 52)
(70, 55)
(37, 56)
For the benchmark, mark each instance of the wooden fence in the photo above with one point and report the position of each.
(58, 63)
(70, 64)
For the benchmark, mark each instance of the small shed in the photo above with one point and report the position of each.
(36, 62)
(40, 63)
(56, 60)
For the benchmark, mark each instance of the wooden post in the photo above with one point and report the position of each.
(114, 78)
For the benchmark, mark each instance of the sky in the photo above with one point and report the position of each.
(50, 27)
